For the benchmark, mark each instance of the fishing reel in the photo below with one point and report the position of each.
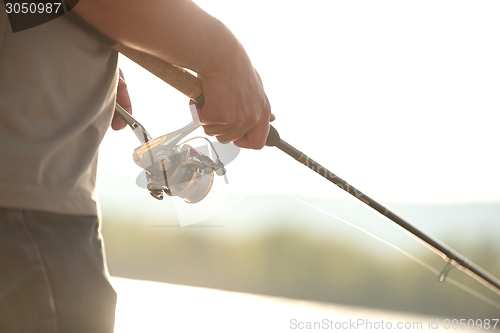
(173, 167)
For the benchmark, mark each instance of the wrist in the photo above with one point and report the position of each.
(222, 54)
(234, 68)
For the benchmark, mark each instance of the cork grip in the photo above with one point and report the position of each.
(176, 76)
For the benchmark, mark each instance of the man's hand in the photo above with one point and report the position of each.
(236, 108)
(123, 99)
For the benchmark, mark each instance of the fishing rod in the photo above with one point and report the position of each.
(188, 84)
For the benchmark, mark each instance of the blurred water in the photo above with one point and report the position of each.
(154, 307)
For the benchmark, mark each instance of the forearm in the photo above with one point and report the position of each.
(236, 108)
(177, 31)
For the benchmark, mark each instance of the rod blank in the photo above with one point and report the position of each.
(452, 257)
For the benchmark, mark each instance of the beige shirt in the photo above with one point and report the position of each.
(57, 92)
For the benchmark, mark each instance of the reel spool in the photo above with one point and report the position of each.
(179, 170)
(173, 168)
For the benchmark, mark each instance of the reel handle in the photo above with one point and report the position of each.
(176, 76)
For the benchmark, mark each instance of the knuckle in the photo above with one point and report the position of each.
(257, 142)
(226, 117)
(208, 131)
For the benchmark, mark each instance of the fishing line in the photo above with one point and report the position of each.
(407, 254)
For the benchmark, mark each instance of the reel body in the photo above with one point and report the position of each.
(179, 170)
(173, 168)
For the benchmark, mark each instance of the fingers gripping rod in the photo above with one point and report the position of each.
(190, 86)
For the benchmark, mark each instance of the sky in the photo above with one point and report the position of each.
(399, 98)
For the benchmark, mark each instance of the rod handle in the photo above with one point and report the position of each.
(176, 76)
